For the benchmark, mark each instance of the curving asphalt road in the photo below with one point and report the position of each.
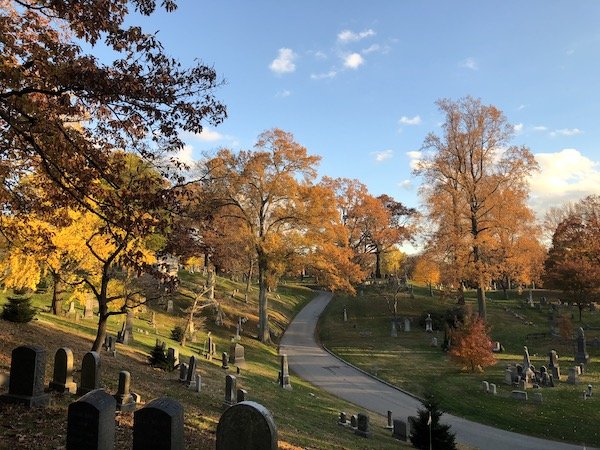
(308, 360)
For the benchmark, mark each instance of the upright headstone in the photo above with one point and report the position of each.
(526, 359)
(71, 308)
(343, 420)
(209, 345)
(88, 308)
(191, 371)
(284, 379)
(581, 355)
(125, 401)
(183, 372)
(406, 325)
(230, 391)
(242, 395)
(26, 383)
(91, 422)
(354, 421)
(62, 379)
(225, 361)
(394, 331)
(173, 357)
(90, 373)
(486, 386)
(554, 366)
(198, 383)
(389, 425)
(573, 379)
(493, 389)
(508, 377)
(401, 430)
(169, 307)
(429, 324)
(247, 426)
(237, 355)
(362, 428)
(159, 425)
(112, 346)
(345, 315)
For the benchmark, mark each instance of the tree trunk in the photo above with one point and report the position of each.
(248, 281)
(56, 294)
(263, 316)
(378, 264)
(430, 290)
(102, 321)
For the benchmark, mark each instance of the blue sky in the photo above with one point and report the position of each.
(356, 82)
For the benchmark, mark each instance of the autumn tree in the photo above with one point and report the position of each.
(426, 271)
(471, 345)
(270, 193)
(65, 113)
(573, 263)
(464, 170)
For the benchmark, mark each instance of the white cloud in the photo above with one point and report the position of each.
(521, 107)
(383, 155)
(321, 76)
(284, 93)
(209, 135)
(406, 184)
(404, 120)
(350, 36)
(284, 63)
(566, 132)
(540, 128)
(353, 61)
(186, 155)
(320, 55)
(415, 158)
(371, 49)
(564, 176)
(518, 127)
(469, 63)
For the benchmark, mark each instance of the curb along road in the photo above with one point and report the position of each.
(308, 360)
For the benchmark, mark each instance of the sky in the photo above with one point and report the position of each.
(356, 82)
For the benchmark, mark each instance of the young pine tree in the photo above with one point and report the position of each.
(427, 427)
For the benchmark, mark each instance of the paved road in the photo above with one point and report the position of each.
(308, 360)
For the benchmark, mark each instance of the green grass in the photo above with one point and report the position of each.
(306, 417)
(410, 362)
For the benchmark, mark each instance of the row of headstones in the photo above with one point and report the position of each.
(27, 378)
(359, 423)
(160, 424)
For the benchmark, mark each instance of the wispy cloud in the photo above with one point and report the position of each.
(383, 155)
(521, 107)
(350, 36)
(540, 128)
(371, 49)
(209, 135)
(415, 158)
(406, 184)
(324, 75)
(353, 61)
(404, 120)
(320, 55)
(469, 63)
(518, 127)
(566, 132)
(284, 63)
(284, 93)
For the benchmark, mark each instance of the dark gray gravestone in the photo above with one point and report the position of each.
(183, 371)
(242, 395)
(247, 426)
(224, 360)
(173, 357)
(125, 401)
(91, 422)
(401, 430)
(230, 390)
(26, 384)
(159, 425)
(191, 372)
(62, 380)
(90, 373)
(581, 355)
(284, 377)
(363, 425)
(237, 355)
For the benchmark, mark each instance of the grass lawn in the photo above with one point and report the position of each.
(409, 360)
(306, 417)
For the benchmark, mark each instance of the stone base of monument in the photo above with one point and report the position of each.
(26, 400)
(61, 388)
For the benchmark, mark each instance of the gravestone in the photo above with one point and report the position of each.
(508, 376)
(401, 430)
(553, 365)
(198, 383)
(497, 347)
(526, 359)
(538, 397)
(354, 421)
(26, 382)
(183, 371)
(173, 357)
(88, 308)
(112, 349)
(394, 331)
(345, 315)
(519, 395)
(159, 425)
(62, 379)
(389, 425)
(230, 391)
(486, 386)
(71, 308)
(169, 308)
(247, 426)
(242, 395)
(237, 355)
(429, 324)
(90, 373)
(362, 427)
(284, 378)
(406, 325)
(581, 355)
(343, 419)
(434, 341)
(571, 380)
(224, 361)
(493, 390)
(191, 371)
(125, 401)
(91, 422)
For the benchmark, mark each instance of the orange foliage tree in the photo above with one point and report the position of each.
(471, 345)
(465, 169)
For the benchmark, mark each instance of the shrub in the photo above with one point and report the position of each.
(177, 334)
(441, 437)
(18, 309)
(158, 357)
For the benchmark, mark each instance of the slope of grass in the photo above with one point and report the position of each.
(305, 416)
(409, 361)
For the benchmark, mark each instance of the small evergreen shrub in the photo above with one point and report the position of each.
(177, 334)
(18, 309)
(441, 437)
(158, 357)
